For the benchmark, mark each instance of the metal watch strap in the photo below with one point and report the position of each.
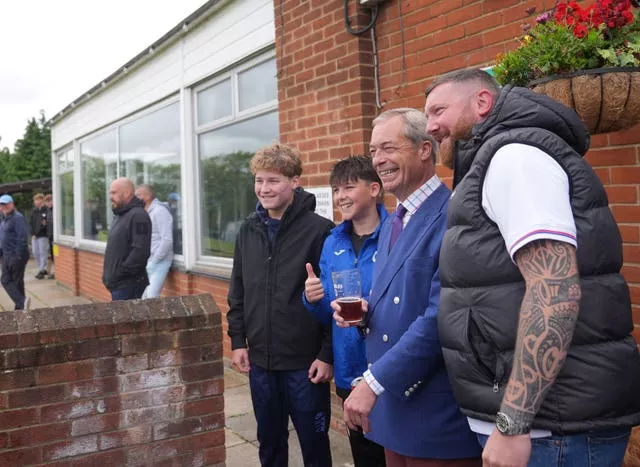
(507, 427)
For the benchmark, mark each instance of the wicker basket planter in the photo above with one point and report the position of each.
(606, 99)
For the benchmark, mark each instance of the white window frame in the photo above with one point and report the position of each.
(58, 172)
(222, 264)
(96, 245)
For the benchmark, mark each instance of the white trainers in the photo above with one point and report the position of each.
(27, 303)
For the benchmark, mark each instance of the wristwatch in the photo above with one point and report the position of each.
(507, 427)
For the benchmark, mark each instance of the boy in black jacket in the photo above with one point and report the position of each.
(39, 238)
(289, 356)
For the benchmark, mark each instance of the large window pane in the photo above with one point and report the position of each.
(150, 153)
(65, 183)
(258, 85)
(214, 102)
(227, 184)
(99, 169)
(65, 204)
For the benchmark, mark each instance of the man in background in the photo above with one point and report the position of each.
(128, 244)
(39, 239)
(15, 252)
(48, 202)
(161, 240)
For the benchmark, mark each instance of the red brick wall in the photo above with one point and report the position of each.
(118, 384)
(81, 271)
(326, 87)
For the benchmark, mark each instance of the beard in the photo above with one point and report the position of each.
(462, 131)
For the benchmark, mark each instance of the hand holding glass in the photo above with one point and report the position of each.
(346, 285)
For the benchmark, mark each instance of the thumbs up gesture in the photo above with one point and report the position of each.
(313, 289)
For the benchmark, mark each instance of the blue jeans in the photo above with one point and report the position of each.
(592, 449)
(40, 247)
(157, 272)
(127, 293)
(276, 395)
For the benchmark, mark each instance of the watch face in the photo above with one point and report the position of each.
(502, 423)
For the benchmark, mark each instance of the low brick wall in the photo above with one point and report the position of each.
(123, 383)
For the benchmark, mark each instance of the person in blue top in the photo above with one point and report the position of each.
(15, 252)
(352, 244)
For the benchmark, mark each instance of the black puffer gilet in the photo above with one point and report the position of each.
(482, 289)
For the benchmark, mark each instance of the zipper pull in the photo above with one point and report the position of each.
(496, 387)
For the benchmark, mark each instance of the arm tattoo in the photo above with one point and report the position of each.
(547, 321)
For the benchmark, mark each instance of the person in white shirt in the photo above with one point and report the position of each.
(535, 317)
(161, 240)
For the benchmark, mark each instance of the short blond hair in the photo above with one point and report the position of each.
(39, 196)
(277, 158)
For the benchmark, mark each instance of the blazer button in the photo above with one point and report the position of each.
(369, 365)
(407, 393)
(396, 300)
(385, 338)
(411, 389)
(367, 331)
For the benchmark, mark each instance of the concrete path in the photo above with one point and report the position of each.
(42, 292)
(242, 447)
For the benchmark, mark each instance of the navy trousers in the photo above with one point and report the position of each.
(278, 395)
(127, 293)
(13, 281)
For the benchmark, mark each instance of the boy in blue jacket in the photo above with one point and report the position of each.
(353, 244)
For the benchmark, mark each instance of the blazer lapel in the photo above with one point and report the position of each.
(388, 264)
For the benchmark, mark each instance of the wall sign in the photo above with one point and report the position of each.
(324, 201)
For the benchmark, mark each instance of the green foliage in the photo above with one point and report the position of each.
(30, 159)
(554, 47)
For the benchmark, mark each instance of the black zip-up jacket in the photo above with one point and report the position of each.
(265, 305)
(35, 221)
(50, 223)
(128, 247)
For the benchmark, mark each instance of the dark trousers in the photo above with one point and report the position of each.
(278, 395)
(127, 293)
(398, 460)
(365, 452)
(13, 281)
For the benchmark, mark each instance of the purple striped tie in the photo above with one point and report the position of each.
(396, 224)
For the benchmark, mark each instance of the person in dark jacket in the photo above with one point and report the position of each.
(535, 317)
(48, 202)
(39, 238)
(353, 244)
(128, 245)
(15, 252)
(289, 356)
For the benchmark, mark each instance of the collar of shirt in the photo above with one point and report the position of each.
(415, 199)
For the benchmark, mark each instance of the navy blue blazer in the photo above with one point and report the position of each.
(416, 415)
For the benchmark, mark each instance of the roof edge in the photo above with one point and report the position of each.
(173, 34)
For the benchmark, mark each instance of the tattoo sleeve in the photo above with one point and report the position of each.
(548, 316)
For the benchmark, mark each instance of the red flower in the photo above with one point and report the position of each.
(580, 30)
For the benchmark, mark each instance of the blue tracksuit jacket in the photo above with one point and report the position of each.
(349, 357)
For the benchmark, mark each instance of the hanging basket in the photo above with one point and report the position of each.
(606, 99)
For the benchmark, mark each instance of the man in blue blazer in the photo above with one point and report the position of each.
(405, 402)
